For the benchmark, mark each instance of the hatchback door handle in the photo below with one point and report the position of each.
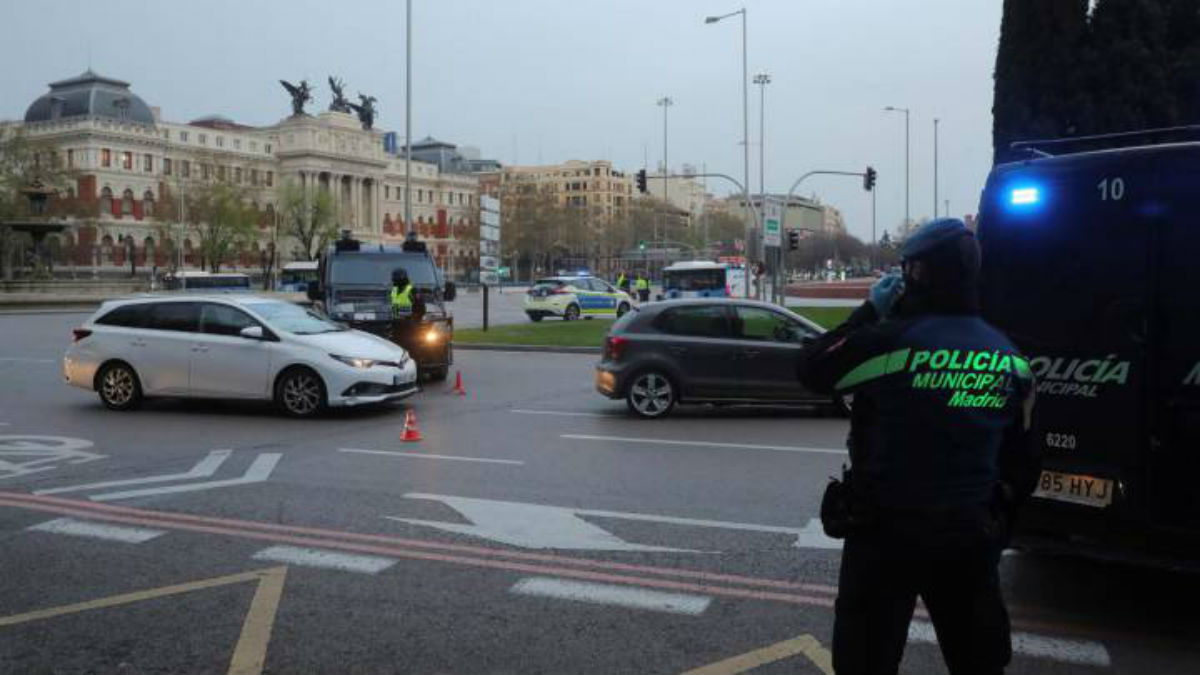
(137, 343)
(677, 350)
(198, 348)
(749, 353)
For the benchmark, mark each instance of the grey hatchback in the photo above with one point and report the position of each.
(705, 351)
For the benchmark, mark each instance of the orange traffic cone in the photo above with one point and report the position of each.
(411, 434)
(458, 385)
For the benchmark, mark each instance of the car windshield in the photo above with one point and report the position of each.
(377, 269)
(294, 318)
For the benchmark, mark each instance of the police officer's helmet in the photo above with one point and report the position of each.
(399, 276)
(948, 250)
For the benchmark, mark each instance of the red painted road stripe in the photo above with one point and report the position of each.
(169, 517)
(397, 552)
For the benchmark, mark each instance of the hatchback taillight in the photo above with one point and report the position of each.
(80, 333)
(614, 347)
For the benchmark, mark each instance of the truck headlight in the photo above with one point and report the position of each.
(354, 362)
(433, 336)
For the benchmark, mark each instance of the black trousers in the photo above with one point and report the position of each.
(953, 565)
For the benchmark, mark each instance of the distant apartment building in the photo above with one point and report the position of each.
(804, 213)
(591, 185)
(687, 194)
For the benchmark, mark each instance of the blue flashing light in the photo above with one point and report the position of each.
(1025, 196)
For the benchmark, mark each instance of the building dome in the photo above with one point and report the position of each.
(90, 95)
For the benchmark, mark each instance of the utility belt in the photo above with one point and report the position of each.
(846, 511)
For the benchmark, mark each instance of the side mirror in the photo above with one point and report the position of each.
(450, 292)
(806, 340)
(314, 290)
(252, 332)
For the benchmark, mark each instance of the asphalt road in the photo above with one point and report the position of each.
(535, 529)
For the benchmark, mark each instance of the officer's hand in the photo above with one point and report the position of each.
(884, 293)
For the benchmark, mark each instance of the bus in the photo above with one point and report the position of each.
(295, 276)
(703, 279)
(207, 282)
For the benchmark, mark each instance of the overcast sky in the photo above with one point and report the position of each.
(543, 81)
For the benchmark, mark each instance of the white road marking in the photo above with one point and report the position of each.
(543, 526)
(704, 444)
(565, 413)
(83, 528)
(419, 455)
(606, 594)
(315, 557)
(1083, 652)
(22, 454)
(203, 469)
(20, 360)
(528, 526)
(258, 472)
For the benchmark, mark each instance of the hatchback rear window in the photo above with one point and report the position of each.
(126, 316)
(701, 321)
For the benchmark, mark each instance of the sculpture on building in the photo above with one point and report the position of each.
(300, 95)
(339, 103)
(365, 110)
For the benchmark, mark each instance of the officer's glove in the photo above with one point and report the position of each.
(884, 293)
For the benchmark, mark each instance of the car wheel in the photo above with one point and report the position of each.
(119, 387)
(535, 317)
(651, 395)
(572, 313)
(299, 392)
(622, 309)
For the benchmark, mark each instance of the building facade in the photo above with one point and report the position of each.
(592, 185)
(128, 161)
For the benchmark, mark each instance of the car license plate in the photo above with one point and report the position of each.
(364, 316)
(1074, 489)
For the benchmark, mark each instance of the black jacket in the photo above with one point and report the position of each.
(941, 412)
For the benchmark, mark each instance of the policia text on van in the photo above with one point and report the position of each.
(356, 286)
(1089, 266)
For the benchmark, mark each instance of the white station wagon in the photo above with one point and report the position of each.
(235, 347)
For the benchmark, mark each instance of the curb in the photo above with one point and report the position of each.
(485, 347)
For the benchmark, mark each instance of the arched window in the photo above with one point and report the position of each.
(127, 202)
(106, 200)
(148, 204)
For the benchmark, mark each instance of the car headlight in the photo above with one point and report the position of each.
(354, 362)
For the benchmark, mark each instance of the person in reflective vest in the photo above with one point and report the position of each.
(941, 455)
(402, 292)
(643, 288)
(623, 282)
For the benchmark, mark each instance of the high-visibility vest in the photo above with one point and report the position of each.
(643, 285)
(402, 299)
(621, 281)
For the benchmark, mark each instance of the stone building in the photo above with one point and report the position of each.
(128, 161)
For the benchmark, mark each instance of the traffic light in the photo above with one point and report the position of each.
(869, 179)
(793, 240)
(641, 181)
(642, 245)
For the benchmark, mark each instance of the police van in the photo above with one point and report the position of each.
(1090, 265)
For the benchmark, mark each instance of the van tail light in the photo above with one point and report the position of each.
(80, 334)
(614, 347)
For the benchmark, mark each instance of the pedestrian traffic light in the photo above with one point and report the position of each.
(642, 245)
(641, 181)
(869, 179)
(793, 240)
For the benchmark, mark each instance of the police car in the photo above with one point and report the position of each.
(575, 297)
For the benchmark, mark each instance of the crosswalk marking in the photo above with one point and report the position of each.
(315, 557)
(1083, 652)
(608, 594)
(83, 528)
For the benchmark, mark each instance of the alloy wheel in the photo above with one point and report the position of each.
(651, 395)
(118, 386)
(301, 394)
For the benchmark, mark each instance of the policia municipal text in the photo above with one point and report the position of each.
(940, 457)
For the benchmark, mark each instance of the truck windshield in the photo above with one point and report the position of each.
(377, 269)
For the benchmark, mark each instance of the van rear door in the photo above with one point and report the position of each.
(1066, 274)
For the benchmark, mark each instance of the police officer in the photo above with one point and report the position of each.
(940, 458)
(643, 288)
(402, 292)
(623, 281)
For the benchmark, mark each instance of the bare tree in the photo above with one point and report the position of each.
(308, 219)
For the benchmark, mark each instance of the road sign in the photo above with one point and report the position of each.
(489, 240)
(773, 216)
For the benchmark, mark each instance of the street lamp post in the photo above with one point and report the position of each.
(408, 118)
(762, 80)
(745, 133)
(907, 212)
(935, 167)
(665, 102)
